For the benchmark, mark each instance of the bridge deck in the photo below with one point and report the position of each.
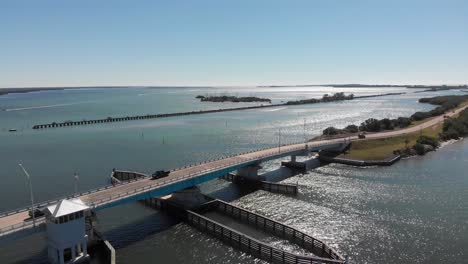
(20, 220)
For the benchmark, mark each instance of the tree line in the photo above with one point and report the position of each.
(325, 98)
(445, 103)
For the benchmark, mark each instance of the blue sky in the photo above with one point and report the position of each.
(241, 42)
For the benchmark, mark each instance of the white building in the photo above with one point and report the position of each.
(66, 232)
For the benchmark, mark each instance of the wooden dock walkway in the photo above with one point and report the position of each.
(323, 253)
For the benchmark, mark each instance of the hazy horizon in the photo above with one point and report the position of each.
(233, 86)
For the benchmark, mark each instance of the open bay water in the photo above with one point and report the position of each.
(412, 212)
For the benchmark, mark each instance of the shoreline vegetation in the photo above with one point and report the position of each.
(325, 98)
(233, 99)
(411, 144)
(340, 96)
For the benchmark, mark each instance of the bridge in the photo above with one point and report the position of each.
(18, 223)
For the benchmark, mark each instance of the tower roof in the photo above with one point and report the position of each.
(65, 207)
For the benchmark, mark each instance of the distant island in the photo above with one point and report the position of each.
(340, 96)
(325, 98)
(234, 99)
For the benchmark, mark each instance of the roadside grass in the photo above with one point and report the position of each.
(382, 148)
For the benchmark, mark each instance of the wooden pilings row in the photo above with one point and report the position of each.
(143, 117)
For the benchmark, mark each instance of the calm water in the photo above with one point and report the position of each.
(413, 212)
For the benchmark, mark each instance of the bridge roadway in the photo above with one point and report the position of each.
(177, 180)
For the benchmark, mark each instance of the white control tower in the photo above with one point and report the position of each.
(66, 232)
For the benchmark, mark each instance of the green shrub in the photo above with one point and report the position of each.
(351, 129)
(331, 131)
(456, 128)
(371, 125)
(419, 148)
(426, 140)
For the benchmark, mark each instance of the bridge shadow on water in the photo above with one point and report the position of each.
(140, 229)
(40, 258)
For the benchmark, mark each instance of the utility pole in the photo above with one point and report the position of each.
(28, 177)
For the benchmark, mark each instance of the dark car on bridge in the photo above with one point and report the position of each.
(37, 212)
(159, 174)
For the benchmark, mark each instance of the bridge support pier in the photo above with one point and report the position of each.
(250, 172)
(188, 198)
(301, 165)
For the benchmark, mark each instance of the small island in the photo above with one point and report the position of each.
(325, 98)
(234, 99)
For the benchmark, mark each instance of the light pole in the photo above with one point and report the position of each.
(30, 192)
(305, 137)
(76, 182)
(279, 140)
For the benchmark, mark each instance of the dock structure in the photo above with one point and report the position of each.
(322, 252)
(119, 176)
(360, 163)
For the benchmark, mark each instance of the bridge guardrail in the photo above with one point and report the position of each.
(54, 201)
(198, 173)
(21, 226)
